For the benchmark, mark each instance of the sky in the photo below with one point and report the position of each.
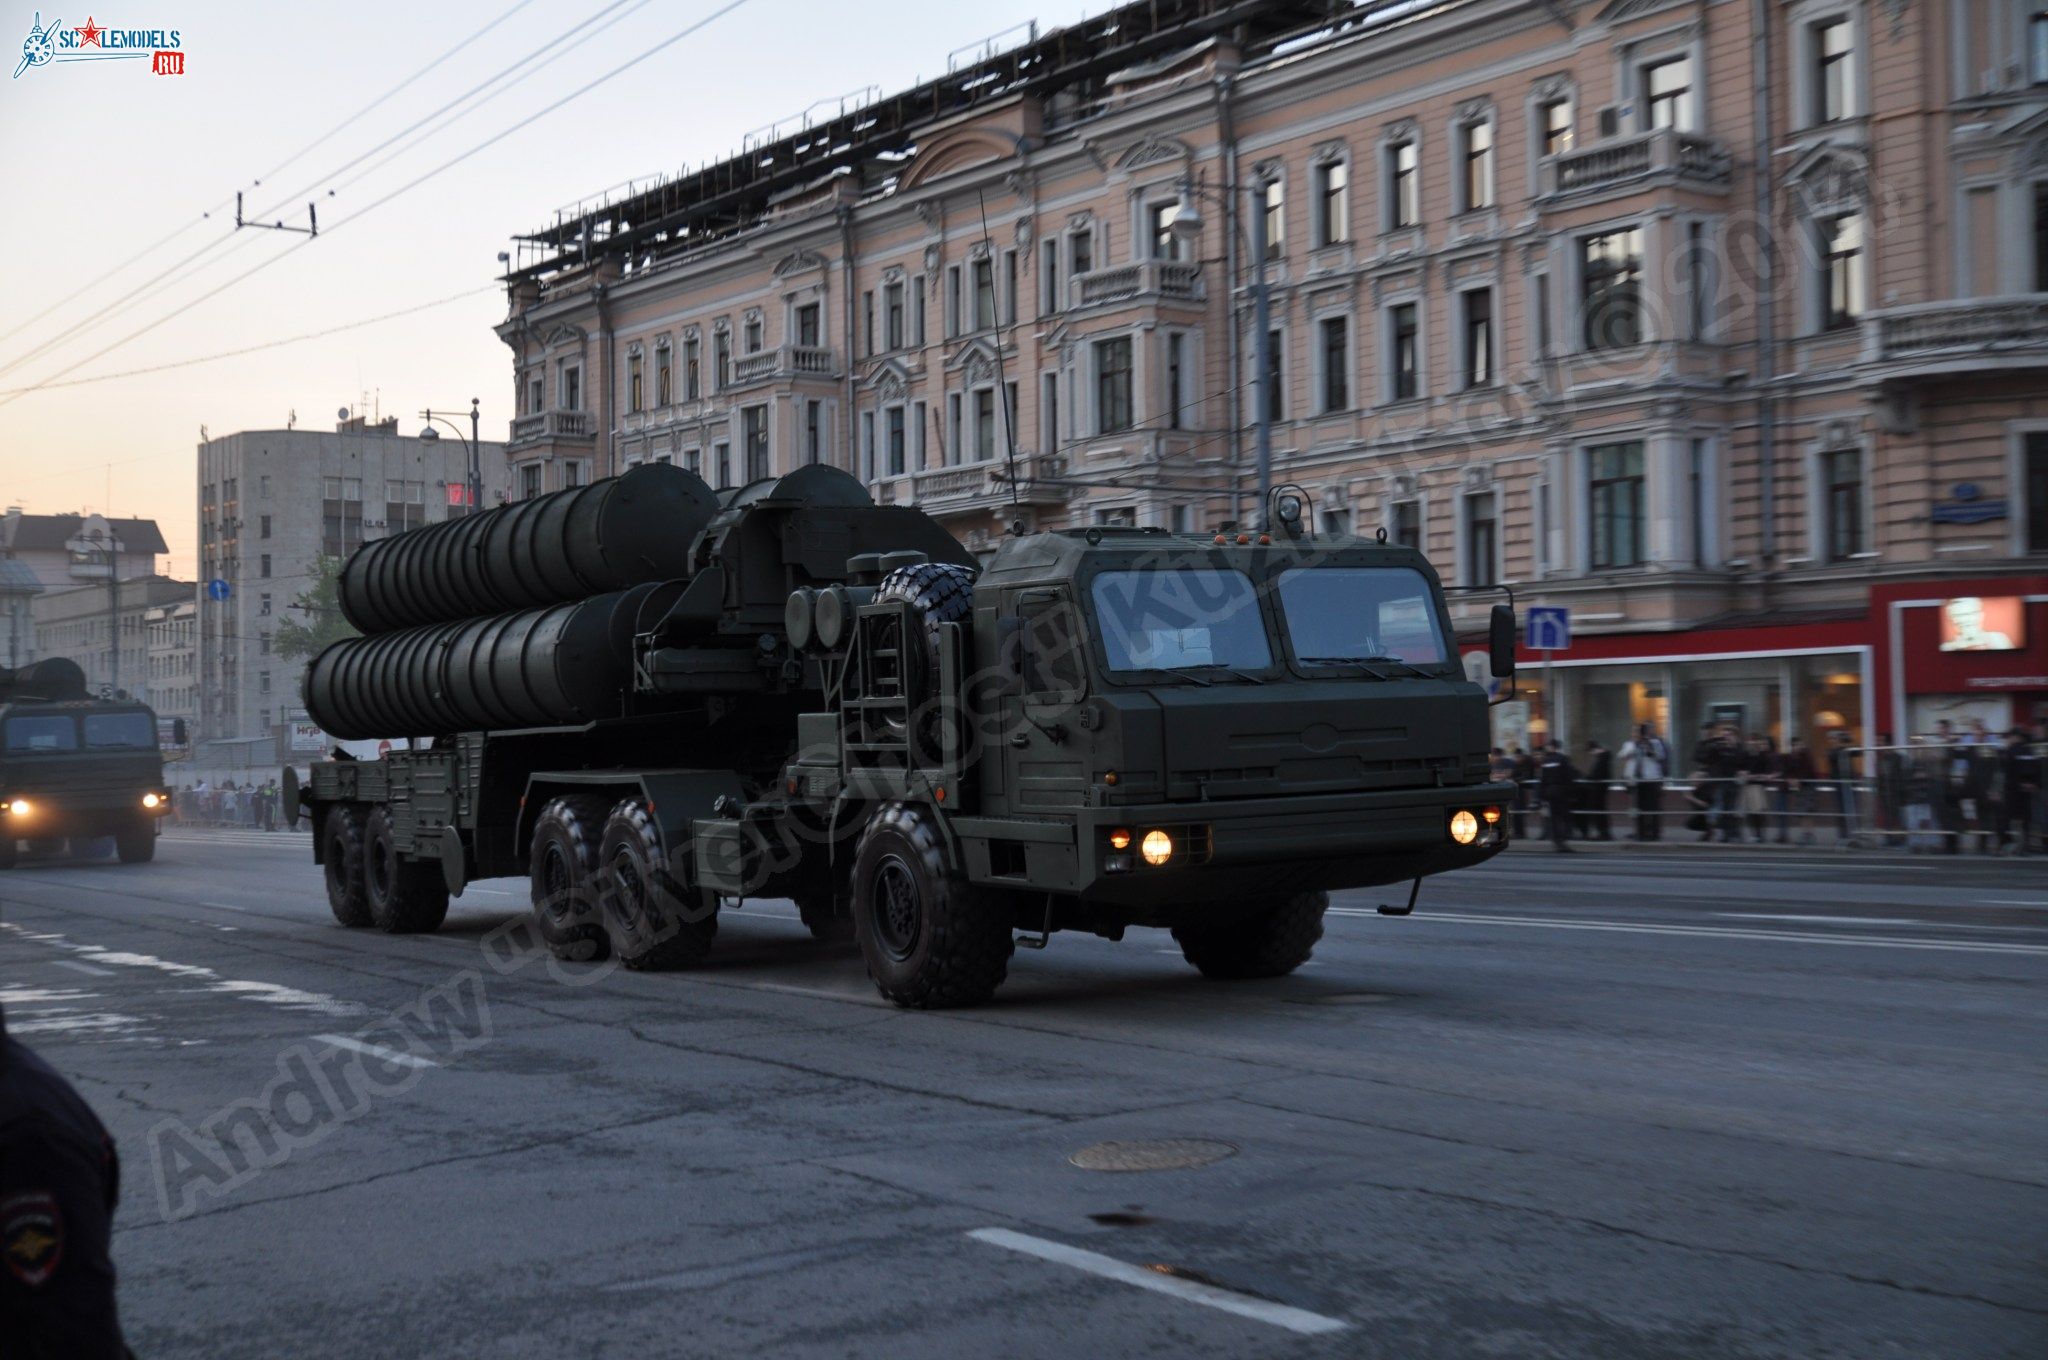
(103, 160)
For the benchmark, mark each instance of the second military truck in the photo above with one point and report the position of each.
(74, 767)
(656, 702)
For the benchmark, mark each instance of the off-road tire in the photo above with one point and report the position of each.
(821, 915)
(341, 854)
(405, 896)
(562, 870)
(930, 938)
(9, 851)
(942, 592)
(651, 921)
(135, 843)
(1271, 941)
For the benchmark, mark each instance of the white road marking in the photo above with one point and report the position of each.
(1719, 932)
(1159, 1282)
(78, 967)
(390, 1055)
(821, 993)
(224, 906)
(208, 979)
(1866, 921)
(2013, 902)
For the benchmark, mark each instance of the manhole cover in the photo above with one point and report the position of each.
(1155, 1154)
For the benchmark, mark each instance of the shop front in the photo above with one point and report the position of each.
(1966, 652)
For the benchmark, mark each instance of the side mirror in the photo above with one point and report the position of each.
(177, 731)
(1500, 642)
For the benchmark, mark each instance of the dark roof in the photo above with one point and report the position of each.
(51, 533)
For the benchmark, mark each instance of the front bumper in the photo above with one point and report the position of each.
(1225, 852)
(51, 815)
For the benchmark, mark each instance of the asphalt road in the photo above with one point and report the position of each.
(1684, 1103)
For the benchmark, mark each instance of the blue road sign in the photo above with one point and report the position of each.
(217, 589)
(1549, 628)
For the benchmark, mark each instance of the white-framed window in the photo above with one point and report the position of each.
(693, 368)
(754, 442)
(1617, 506)
(721, 359)
(753, 332)
(575, 472)
(1840, 246)
(1478, 339)
(1160, 241)
(1179, 379)
(809, 324)
(894, 333)
(636, 380)
(1839, 494)
(1407, 522)
(917, 306)
(536, 400)
(1542, 333)
(896, 440)
(1831, 67)
(1402, 170)
(1331, 186)
(867, 445)
(1049, 432)
(1556, 132)
(721, 459)
(984, 294)
(1402, 347)
(1273, 201)
(1610, 265)
(816, 433)
(1048, 277)
(693, 461)
(529, 480)
(1666, 93)
(1479, 562)
(918, 416)
(1333, 373)
(664, 373)
(1113, 385)
(1475, 163)
(867, 322)
(952, 300)
(1009, 312)
(569, 382)
(956, 429)
(986, 428)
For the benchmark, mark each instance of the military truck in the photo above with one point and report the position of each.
(658, 703)
(75, 767)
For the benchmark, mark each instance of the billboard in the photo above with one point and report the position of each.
(1983, 623)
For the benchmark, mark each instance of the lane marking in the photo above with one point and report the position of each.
(78, 967)
(206, 978)
(1297, 1320)
(224, 906)
(2013, 902)
(390, 1055)
(820, 993)
(1867, 921)
(1719, 932)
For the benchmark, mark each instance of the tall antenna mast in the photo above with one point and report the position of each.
(1002, 378)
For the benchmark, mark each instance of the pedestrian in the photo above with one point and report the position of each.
(1557, 782)
(1593, 823)
(1645, 761)
(1926, 775)
(1719, 757)
(2023, 766)
(266, 805)
(1758, 775)
(1525, 787)
(1797, 775)
(59, 1182)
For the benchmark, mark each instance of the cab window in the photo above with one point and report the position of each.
(106, 731)
(47, 733)
(1179, 619)
(1336, 615)
(1052, 648)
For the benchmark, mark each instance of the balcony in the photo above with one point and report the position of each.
(552, 427)
(1168, 280)
(790, 361)
(1970, 333)
(977, 486)
(1663, 156)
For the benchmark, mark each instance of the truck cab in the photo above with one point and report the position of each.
(76, 767)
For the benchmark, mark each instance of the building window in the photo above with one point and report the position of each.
(1084, 253)
(1843, 472)
(1667, 94)
(1275, 196)
(1273, 380)
(572, 389)
(1048, 278)
(721, 459)
(814, 431)
(1478, 335)
(1404, 527)
(1049, 413)
(721, 360)
(2037, 46)
(956, 431)
(917, 310)
(263, 566)
(1482, 539)
(529, 481)
(1842, 274)
(809, 324)
(1113, 385)
(1477, 180)
(341, 515)
(1610, 288)
(952, 300)
(898, 443)
(1404, 190)
(634, 382)
(984, 424)
(533, 395)
(1555, 119)
(575, 472)
(1833, 70)
(752, 334)
(867, 322)
(1541, 305)
(1404, 352)
(664, 377)
(1176, 377)
(1159, 230)
(1334, 353)
(693, 461)
(404, 506)
(693, 371)
(918, 416)
(263, 527)
(892, 316)
(2035, 477)
(1333, 205)
(1699, 281)
(754, 439)
(984, 295)
(1615, 505)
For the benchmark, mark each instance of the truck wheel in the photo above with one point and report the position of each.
(1271, 941)
(341, 854)
(8, 850)
(405, 896)
(822, 917)
(651, 921)
(135, 843)
(930, 938)
(563, 868)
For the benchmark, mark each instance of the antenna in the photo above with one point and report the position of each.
(1002, 378)
(312, 227)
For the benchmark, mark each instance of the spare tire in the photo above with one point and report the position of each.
(942, 592)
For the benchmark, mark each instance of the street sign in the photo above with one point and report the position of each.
(217, 589)
(1549, 628)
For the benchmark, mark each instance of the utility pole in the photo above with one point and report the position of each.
(1262, 357)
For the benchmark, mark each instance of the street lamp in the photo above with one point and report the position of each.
(473, 446)
(1186, 227)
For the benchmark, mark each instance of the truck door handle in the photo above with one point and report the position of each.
(1019, 740)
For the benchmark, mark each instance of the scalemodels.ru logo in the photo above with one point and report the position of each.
(91, 42)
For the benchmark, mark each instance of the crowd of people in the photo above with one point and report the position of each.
(227, 803)
(1943, 792)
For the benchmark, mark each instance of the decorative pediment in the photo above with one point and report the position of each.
(892, 275)
(661, 342)
(1478, 476)
(1476, 110)
(634, 349)
(888, 380)
(561, 333)
(1553, 87)
(1325, 153)
(1080, 221)
(1402, 130)
(799, 262)
(1272, 170)
(752, 316)
(1621, 11)
(975, 361)
(1831, 175)
(1152, 149)
(960, 149)
(1839, 434)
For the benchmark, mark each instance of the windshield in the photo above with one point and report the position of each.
(1180, 618)
(107, 730)
(1340, 614)
(53, 733)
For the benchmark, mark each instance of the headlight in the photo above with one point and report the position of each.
(1157, 847)
(1120, 839)
(1464, 827)
(19, 807)
(150, 800)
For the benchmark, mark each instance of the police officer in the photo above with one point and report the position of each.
(59, 1180)
(1558, 786)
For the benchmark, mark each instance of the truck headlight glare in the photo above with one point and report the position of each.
(150, 800)
(1464, 827)
(1120, 839)
(1157, 847)
(19, 807)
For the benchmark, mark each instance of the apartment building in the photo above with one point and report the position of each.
(271, 504)
(1722, 324)
(172, 659)
(106, 628)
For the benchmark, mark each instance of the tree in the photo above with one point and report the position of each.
(321, 620)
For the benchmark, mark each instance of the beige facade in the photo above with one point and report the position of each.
(1549, 297)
